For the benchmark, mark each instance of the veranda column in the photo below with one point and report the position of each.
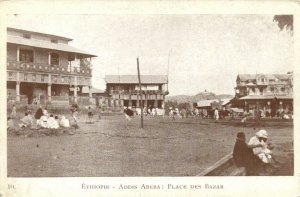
(130, 101)
(146, 102)
(155, 101)
(75, 89)
(49, 92)
(163, 102)
(90, 94)
(18, 91)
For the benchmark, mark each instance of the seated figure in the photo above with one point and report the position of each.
(242, 155)
(64, 122)
(52, 123)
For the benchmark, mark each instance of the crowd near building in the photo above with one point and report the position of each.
(45, 69)
(124, 90)
(270, 93)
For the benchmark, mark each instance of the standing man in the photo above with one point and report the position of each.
(216, 113)
(13, 112)
(99, 111)
(128, 113)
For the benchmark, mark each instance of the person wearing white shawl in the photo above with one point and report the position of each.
(260, 147)
(52, 123)
(42, 122)
(64, 122)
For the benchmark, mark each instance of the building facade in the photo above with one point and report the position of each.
(267, 92)
(124, 90)
(44, 68)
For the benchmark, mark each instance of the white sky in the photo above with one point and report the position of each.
(207, 51)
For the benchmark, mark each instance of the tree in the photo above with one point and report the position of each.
(284, 21)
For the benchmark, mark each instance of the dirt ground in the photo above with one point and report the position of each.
(114, 147)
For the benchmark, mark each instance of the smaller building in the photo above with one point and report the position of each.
(220, 104)
(124, 90)
(100, 96)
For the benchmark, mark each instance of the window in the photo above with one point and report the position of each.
(27, 36)
(25, 76)
(54, 41)
(261, 91)
(26, 56)
(10, 74)
(33, 77)
(54, 59)
(42, 78)
(272, 89)
(282, 89)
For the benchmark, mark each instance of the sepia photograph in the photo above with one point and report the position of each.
(152, 95)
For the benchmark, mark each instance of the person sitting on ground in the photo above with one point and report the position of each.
(45, 112)
(39, 113)
(56, 119)
(242, 154)
(10, 124)
(64, 122)
(52, 123)
(27, 121)
(42, 122)
(260, 147)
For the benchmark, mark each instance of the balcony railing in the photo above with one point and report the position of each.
(38, 67)
(136, 92)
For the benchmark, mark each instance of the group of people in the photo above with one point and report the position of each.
(41, 119)
(46, 120)
(254, 155)
(201, 113)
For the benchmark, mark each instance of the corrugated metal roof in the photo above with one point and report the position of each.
(226, 101)
(38, 33)
(47, 45)
(245, 77)
(133, 79)
(261, 97)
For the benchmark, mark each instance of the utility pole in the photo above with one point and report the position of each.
(142, 112)
(119, 101)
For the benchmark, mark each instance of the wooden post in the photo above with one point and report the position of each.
(138, 68)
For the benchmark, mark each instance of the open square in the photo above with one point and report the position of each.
(114, 147)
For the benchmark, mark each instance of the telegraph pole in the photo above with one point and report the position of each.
(142, 112)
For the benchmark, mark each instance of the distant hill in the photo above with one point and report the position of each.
(179, 98)
(221, 96)
(200, 96)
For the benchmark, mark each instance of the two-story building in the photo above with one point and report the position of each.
(45, 68)
(272, 92)
(124, 90)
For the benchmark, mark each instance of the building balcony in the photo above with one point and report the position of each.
(261, 83)
(137, 92)
(53, 69)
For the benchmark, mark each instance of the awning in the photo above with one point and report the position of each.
(47, 45)
(266, 97)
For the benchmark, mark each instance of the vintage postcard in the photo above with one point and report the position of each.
(148, 98)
